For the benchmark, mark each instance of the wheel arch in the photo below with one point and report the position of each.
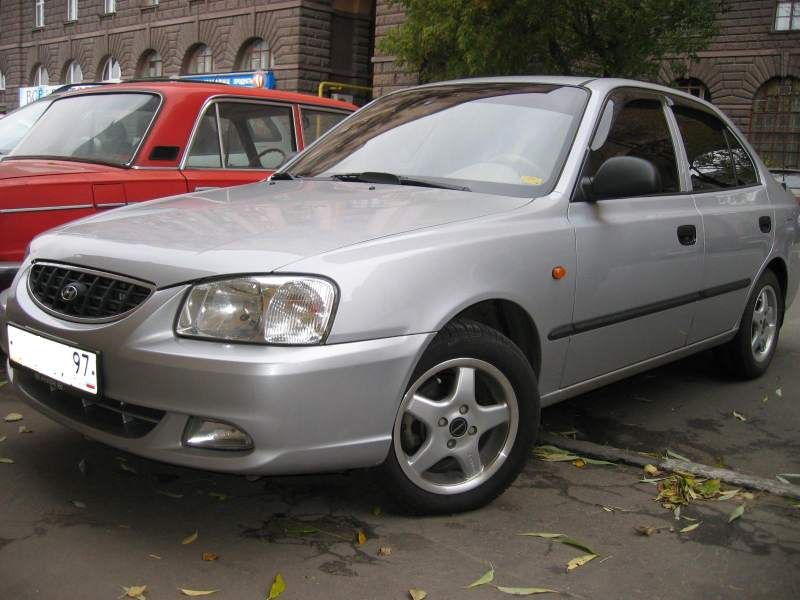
(778, 266)
(510, 319)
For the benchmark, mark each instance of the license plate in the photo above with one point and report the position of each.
(66, 364)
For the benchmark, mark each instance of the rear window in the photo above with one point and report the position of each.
(707, 150)
(106, 128)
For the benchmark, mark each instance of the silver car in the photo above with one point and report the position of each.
(412, 288)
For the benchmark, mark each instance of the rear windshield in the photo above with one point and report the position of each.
(501, 138)
(15, 125)
(104, 128)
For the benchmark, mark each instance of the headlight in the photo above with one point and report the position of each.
(266, 310)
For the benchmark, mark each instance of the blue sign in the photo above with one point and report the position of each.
(244, 78)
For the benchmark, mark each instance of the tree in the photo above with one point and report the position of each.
(444, 39)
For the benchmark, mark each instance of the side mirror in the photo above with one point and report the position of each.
(623, 177)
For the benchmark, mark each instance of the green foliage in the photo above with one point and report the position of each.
(444, 39)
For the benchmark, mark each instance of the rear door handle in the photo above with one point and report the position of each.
(765, 224)
(687, 235)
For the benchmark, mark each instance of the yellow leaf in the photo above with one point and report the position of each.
(186, 592)
(361, 537)
(134, 591)
(580, 561)
(210, 556)
(737, 512)
(189, 539)
(417, 594)
(384, 551)
(6, 461)
(487, 577)
(524, 591)
(11, 417)
(277, 588)
(580, 463)
(24, 429)
(691, 527)
(651, 470)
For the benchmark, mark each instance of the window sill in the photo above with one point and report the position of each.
(149, 8)
(70, 21)
(39, 28)
(106, 15)
(782, 31)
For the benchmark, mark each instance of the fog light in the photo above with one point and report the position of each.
(215, 435)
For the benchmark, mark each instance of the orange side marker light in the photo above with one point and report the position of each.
(559, 272)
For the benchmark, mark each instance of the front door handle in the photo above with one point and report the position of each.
(765, 224)
(687, 235)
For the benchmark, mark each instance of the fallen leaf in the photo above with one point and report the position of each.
(562, 539)
(277, 588)
(739, 416)
(579, 462)
(783, 480)
(384, 551)
(156, 556)
(746, 495)
(671, 454)
(11, 417)
(361, 537)
(169, 494)
(134, 591)
(580, 561)
(524, 591)
(77, 504)
(487, 577)
(547, 536)
(126, 467)
(615, 509)
(556, 454)
(737, 512)
(3, 438)
(779, 392)
(417, 594)
(651, 470)
(6, 461)
(795, 503)
(186, 592)
(691, 527)
(765, 399)
(24, 429)
(728, 494)
(210, 556)
(189, 539)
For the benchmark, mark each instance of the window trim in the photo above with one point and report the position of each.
(728, 130)
(642, 93)
(223, 98)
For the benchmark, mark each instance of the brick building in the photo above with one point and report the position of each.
(751, 70)
(304, 42)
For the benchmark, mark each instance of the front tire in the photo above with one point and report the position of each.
(750, 353)
(466, 422)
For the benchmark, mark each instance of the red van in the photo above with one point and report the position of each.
(104, 147)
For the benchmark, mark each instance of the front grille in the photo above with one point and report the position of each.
(112, 416)
(97, 297)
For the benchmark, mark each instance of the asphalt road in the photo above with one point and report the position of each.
(133, 514)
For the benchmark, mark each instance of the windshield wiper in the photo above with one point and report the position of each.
(392, 179)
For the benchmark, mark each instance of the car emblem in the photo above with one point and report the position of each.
(69, 292)
(458, 427)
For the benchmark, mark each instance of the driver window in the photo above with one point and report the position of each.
(635, 127)
(255, 136)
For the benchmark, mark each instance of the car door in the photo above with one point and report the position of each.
(238, 141)
(639, 258)
(738, 220)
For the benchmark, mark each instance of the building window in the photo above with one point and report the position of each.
(693, 86)
(112, 70)
(42, 77)
(787, 16)
(202, 60)
(256, 56)
(151, 2)
(775, 127)
(151, 64)
(109, 6)
(74, 73)
(72, 10)
(38, 19)
(2, 81)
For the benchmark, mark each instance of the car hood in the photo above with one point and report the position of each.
(255, 228)
(12, 168)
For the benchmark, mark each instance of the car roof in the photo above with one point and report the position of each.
(200, 89)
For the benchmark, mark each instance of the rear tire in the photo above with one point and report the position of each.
(750, 353)
(466, 423)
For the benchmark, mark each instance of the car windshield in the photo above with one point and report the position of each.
(15, 125)
(500, 138)
(105, 128)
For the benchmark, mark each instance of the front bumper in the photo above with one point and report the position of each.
(307, 409)
(7, 272)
